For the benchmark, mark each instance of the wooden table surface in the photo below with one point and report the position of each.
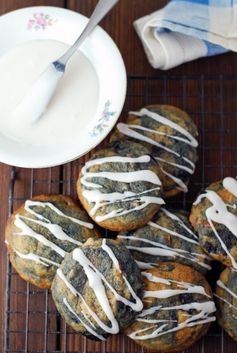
(212, 165)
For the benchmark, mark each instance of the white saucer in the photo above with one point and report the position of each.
(45, 22)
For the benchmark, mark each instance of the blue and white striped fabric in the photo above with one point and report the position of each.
(185, 30)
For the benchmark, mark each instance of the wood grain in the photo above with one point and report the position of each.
(212, 104)
(10, 5)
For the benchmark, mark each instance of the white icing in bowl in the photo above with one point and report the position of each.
(86, 107)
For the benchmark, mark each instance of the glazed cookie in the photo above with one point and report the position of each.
(214, 216)
(226, 300)
(41, 232)
(168, 237)
(97, 289)
(178, 309)
(119, 187)
(170, 134)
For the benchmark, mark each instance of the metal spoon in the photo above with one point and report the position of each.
(35, 102)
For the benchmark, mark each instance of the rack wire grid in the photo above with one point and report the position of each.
(32, 323)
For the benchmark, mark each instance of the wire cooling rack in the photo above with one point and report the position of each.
(32, 324)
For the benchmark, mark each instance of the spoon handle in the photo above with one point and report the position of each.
(101, 9)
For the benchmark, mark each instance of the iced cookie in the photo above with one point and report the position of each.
(97, 289)
(41, 232)
(167, 237)
(119, 187)
(178, 309)
(170, 134)
(214, 217)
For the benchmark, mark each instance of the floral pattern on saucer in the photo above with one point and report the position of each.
(102, 123)
(40, 21)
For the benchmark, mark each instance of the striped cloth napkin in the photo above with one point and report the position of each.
(185, 30)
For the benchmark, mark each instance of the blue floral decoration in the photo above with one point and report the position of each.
(102, 123)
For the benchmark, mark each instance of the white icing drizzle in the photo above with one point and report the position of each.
(183, 167)
(145, 265)
(167, 293)
(127, 130)
(27, 231)
(159, 249)
(190, 140)
(223, 286)
(185, 287)
(114, 328)
(156, 279)
(181, 186)
(189, 162)
(97, 282)
(76, 293)
(124, 177)
(54, 229)
(230, 184)
(97, 285)
(219, 213)
(110, 253)
(204, 310)
(115, 159)
(149, 311)
(132, 130)
(179, 220)
(154, 321)
(104, 199)
(79, 256)
(61, 275)
(138, 302)
(227, 302)
(88, 328)
(163, 250)
(86, 316)
(32, 203)
(173, 233)
(39, 259)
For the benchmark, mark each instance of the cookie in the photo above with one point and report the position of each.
(97, 289)
(170, 134)
(214, 217)
(178, 309)
(226, 300)
(167, 237)
(41, 232)
(119, 187)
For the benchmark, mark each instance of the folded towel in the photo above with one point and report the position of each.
(185, 30)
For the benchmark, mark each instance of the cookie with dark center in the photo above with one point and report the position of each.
(167, 237)
(97, 289)
(119, 187)
(178, 309)
(170, 134)
(41, 232)
(214, 217)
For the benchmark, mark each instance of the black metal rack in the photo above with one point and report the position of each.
(32, 324)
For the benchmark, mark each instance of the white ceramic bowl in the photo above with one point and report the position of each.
(64, 25)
